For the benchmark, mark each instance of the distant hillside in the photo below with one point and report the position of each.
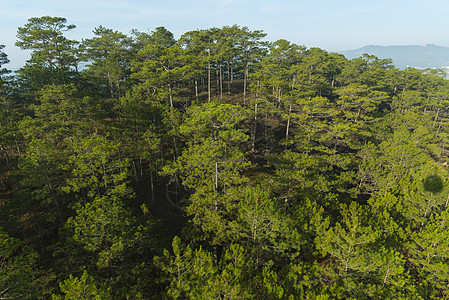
(424, 56)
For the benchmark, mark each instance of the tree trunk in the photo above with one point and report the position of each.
(6, 161)
(196, 89)
(221, 83)
(229, 79)
(245, 78)
(216, 176)
(255, 127)
(170, 93)
(288, 127)
(152, 187)
(208, 76)
(217, 76)
(111, 85)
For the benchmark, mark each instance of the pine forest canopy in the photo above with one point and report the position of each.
(218, 166)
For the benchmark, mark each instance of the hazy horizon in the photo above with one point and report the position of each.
(333, 26)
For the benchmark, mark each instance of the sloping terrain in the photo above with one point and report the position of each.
(418, 56)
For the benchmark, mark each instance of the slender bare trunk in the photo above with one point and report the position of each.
(111, 86)
(196, 89)
(17, 147)
(229, 79)
(217, 76)
(245, 78)
(208, 76)
(221, 83)
(255, 127)
(216, 176)
(171, 95)
(152, 186)
(6, 161)
(288, 127)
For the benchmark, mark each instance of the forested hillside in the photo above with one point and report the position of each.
(423, 56)
(218, 166)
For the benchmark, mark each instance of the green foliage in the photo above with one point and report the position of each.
(289, 173)
(104, 226)
(427, 252)
(17, 269)
(192, 274)
(357, 262)
(97, 168)
(259, 223)
(53, 58)
(109, 56)
(159, 68)
(3, 60)
(84, 288)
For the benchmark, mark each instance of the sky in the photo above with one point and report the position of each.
(333, 25)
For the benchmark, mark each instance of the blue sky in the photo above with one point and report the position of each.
(331, 25)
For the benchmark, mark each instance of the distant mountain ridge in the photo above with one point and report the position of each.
(422, 56)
